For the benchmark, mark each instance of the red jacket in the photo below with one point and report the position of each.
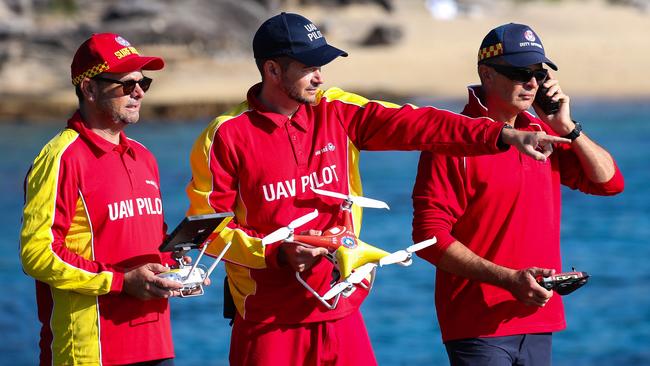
(93, 209)
(260, 165)
(505, 208)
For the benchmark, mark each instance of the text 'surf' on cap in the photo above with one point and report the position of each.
(109, 52)
(295, 36)
(517, 44)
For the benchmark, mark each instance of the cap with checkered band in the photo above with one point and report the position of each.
(109, 52)
(516, 44)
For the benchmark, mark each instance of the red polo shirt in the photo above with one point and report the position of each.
(505, 208)
(261, 165)
(93, 209)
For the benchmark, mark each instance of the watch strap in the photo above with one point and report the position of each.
(575, 133)
(500, 144)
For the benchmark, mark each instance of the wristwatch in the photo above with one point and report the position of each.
(500, 144)
(575, 133)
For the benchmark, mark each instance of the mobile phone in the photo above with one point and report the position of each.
(548, 105)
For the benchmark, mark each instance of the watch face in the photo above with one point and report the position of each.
(578, 126)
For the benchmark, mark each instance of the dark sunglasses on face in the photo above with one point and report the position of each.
(128, 86)
(520, 74)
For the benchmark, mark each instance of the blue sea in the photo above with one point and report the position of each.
(608, 319)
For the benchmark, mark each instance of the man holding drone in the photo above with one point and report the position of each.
(260, 161)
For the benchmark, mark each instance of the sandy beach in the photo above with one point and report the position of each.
(600, 50)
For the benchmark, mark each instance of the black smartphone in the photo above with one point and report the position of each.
(548, 105)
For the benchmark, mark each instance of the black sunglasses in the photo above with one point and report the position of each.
(520, 74)
(129, 85)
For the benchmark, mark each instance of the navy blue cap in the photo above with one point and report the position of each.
(517, 44)
(295, 36)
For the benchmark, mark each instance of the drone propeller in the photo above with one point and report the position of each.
(405, 254)
(358, 200)
(357, 276)
(287, 231)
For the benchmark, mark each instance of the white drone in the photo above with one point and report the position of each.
(194, 232)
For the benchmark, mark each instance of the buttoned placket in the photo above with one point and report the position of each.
(295, 138)
(123, 154)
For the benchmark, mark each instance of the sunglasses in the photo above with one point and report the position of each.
(128, 86)
(520, 74)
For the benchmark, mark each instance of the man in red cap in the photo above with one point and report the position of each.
(260, 160)
(497, 217)
(93, 221)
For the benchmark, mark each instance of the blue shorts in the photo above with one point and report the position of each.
(524, 349)
(163, 362)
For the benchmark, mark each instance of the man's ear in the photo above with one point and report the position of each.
(272, 69)
(88, 89)
(485, 73)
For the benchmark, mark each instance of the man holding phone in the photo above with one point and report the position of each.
(497, 217)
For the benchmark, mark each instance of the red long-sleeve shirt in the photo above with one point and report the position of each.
(93, 210)
(260, 165)
(505, 208)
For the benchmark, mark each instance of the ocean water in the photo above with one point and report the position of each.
(608, 320)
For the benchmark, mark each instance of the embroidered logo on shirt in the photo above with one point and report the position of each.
(329, 147)
(148, 181)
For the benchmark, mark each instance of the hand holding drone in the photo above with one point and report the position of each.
(194, 232)
(354, 259)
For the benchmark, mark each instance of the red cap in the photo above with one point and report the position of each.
(109, 52)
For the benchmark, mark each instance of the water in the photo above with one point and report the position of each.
(608, 320)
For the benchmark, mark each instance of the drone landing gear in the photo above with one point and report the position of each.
(192, 277)
(328, 305)
(349, 290)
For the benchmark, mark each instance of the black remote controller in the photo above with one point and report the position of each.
(564, 283)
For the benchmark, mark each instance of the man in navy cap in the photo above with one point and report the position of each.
(261, 159)
(497, 217)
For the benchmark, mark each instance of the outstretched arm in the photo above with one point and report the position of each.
(376, 125)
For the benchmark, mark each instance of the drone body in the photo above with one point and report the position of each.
(354, 259)
(348, 251)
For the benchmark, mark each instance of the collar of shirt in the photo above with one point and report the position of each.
(476, 108)
(98, 144)
(300, 118)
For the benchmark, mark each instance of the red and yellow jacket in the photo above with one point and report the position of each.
(92, 210)
(505, 208)
(260, 165)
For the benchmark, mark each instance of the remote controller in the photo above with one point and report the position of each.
(190, 281)
(564, 283)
